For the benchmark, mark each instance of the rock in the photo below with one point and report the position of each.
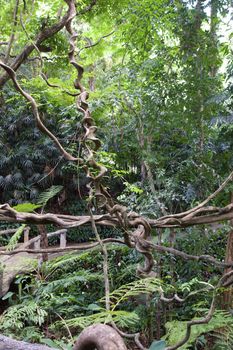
(14, 265)
(11, 344)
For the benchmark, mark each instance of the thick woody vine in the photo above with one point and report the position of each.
(136, 229)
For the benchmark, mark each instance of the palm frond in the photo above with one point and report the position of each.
(51, 192)
(8, 182)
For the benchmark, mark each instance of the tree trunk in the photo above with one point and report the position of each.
(141, 141)
(151, 179)
(213, 33)
(159, 306)
(227, 299)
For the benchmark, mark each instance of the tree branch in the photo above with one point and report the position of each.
(36, 114)
(207, 258)
(43, 35)
(8, 214)
(189, 213)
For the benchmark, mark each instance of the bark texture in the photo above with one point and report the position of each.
(100, 337)
(227, 299)
(11, 344)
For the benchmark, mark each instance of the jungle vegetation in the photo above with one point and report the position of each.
(117, 125)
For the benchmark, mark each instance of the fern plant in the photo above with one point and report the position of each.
(31, 334)
(220, 327)
(62, 261)
(42, 200)
(133, 289)
(57, 344)
(71, 279)
(15, 238)
(223, 338)
(124, 319)
(121, 318)
(15, 317)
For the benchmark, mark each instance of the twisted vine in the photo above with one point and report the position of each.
(135, 228)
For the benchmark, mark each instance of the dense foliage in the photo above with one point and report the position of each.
(160, 80)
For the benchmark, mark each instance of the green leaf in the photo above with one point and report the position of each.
(133, 188)
(158, 345)
(27, 207)
(7, 295)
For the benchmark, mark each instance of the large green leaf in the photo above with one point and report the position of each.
(158, 345)
(27, 207)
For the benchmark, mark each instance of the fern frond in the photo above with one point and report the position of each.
(141, 286)
(176, 329)
(16, 316)
(223, 338)
(63, 260)
(15, 238)
(122, 318)
(71, 279)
